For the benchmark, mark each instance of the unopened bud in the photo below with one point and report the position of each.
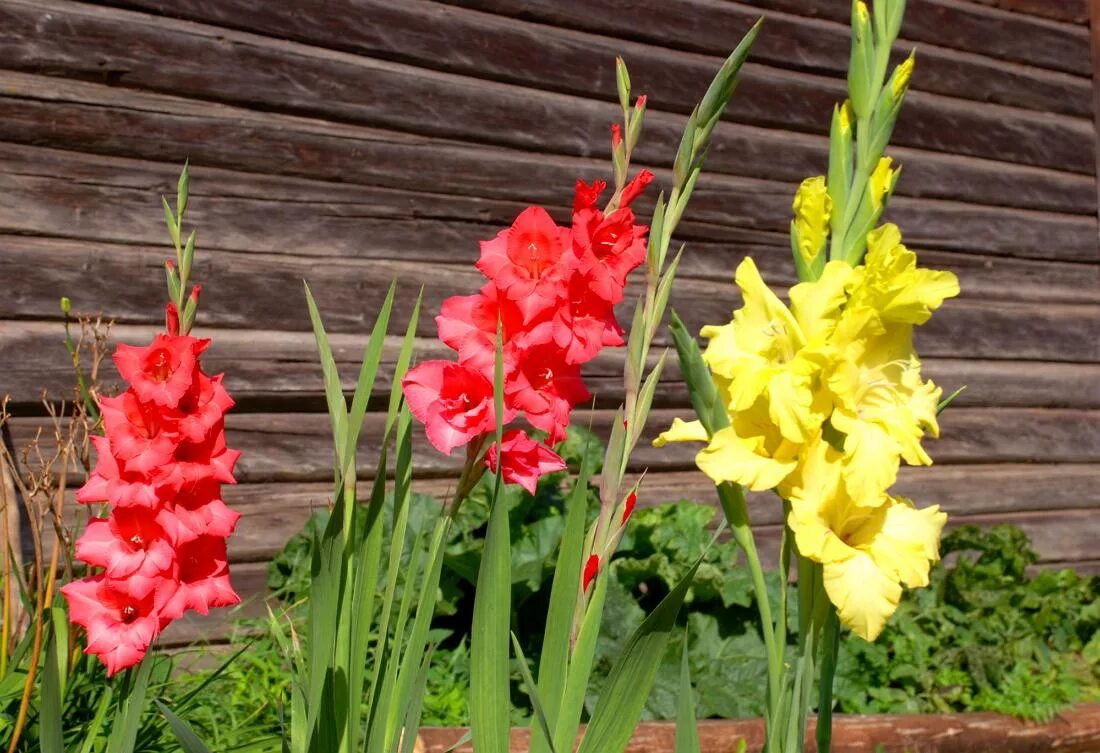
(591, 567)
(195, 291)
(635, 187)
(882, 182)
(616, 135)
(628, 507)
(171, 319)
(902, 73)
(66, 305)
(171, 265)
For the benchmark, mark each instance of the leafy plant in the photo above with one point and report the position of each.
(985, 636)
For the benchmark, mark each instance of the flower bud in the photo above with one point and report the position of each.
(591, 567)
(861, 67)
(881, 183)
(812, 208)
(172, 319)
(66, 305)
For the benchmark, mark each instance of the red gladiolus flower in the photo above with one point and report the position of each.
(545, 388)
(524, 459)
(591, 567)
(454, 402)
(585, 196)
(608, 248)
(160, 467)
(634, 188)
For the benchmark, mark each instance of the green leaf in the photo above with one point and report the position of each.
(372, 355)
(50, 721)
(704, 395)
(687, 736)
(334, 394)
(182, 186)
(532, 692)
(188, 740)
(490, 701)
(580, 666)
(624, 696)
(125, 727)
(949, 399)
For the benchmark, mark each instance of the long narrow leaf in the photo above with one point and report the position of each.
(368, 370)
(580, 667)
(704, 395)
(687, 736)
(188, 740)
(554, 660)
(334, 394)
(50, 724)
(125, 728)
(532, 691)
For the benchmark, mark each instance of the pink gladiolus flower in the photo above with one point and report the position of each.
(608, 248)
(203, 578)
(526, 262)
(454, 402)
(162, 548)
(524, 459)
(545, 388)
(120, 625)
(162, 371)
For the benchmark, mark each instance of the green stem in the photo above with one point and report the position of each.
(733, 505)
(830, 647)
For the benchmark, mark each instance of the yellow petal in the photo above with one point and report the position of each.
(812, 208)
(730, 457)
(681, 431)
(872, 458)
(908, 541)
(817, 305)
(721, 353)
(864, 596)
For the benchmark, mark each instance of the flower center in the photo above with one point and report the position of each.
(129, 614)
(137, 540)
(159, 366)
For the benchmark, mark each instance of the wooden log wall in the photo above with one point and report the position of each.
(347, 142)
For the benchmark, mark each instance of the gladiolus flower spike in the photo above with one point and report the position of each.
(553, 290)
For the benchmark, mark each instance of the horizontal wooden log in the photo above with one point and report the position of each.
(399, 32)
(969, 27)
(273, 368)
(79, 115)
(297, 446)
(212, 63)
(790, 41)
(1076, 730)
(1071, 11)
(109, 199)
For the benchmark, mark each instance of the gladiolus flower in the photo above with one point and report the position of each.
(454, 402)
(160, 467)
(524, 459)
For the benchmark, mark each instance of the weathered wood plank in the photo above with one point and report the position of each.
(1077, 730)
(101, 198)
(790, 41)
(973, 28)
(297, 446)
(400, 31)
(93, 117)
(212, 63)
(1071, 11)
(244, 290)
(279, 368)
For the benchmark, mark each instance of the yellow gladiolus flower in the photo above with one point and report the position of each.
(812, 208)
(763, 352)
(867, 553)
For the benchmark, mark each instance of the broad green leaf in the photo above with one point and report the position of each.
(620, 706)
(188, 740)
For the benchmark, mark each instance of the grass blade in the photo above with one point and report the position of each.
(125, 728)
(49, 727)
(368, 370)
(334, 394)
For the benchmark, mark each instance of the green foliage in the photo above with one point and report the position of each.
(984, 636)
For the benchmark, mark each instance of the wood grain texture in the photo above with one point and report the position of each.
(55, 192)
(1072, 11)
(399, 32)
(94, 117)
(1075, 731)
(206, 62)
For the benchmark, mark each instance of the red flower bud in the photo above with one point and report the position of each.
(590, 569)
(616, 135)
(628, 507)
(195, 293)
(635, 187)
(172, 320)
